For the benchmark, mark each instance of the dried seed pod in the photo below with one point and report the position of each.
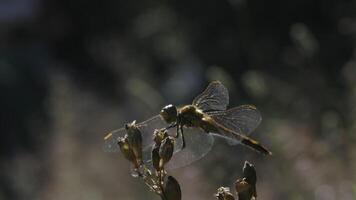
(166, 151)
(246, 187)
(155, 157)
(246, 195)
(135, 140)
(172, 189)
(159, 135)
(127, 151)
(224, 194)
(249, 173)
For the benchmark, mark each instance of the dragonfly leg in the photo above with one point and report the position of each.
(180, 130)
(177, 132)
(183, 140)
(171, 126)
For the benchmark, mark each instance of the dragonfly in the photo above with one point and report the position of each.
(197, 124)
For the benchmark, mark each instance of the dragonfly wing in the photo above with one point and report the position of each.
(146, 128)
(198, 144)
(224, 132)
(229, 140)
(242, 119)
(214, 98)
(111, 139)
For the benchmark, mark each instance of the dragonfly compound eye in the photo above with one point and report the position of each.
(169, 113)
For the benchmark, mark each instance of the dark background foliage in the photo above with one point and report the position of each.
(72, 70)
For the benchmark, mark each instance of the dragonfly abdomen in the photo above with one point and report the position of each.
(253, 144)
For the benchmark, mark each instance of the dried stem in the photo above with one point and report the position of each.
(162, 152)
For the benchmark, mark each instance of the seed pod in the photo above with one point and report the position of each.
(166, 151)
(155, 157)
(246, 194)
(159, 135)
(127, 151)
(172, 189)
(135, 140)
(250, 176)
(224, 194)
(246, 187)
(249, 173)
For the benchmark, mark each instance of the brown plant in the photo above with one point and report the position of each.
(155, 176)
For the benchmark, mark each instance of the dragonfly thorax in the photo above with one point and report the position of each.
(190, 115)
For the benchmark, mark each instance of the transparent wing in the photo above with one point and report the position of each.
(242, 119)
(198, 144)
(234, 125)
(237, 138)
(214, 98)
(147, 128)
(111, 139)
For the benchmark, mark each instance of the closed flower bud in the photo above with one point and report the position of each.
(166, 151)
(155, 157)
(134, 138)
(127, 151)
(246, 187)
(159, 135)
(249, 173)
(172, 189)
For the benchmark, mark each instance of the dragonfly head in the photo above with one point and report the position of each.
(169, 113)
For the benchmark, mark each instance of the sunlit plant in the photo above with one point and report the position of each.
(155, 176)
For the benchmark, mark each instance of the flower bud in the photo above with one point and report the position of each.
(159, 135)
(166, 151)
(172, 189)
(134, 138)
(155, 157)
(249, 173)
(246, 187)
(127, 151)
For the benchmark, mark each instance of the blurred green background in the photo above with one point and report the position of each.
(72, 70)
